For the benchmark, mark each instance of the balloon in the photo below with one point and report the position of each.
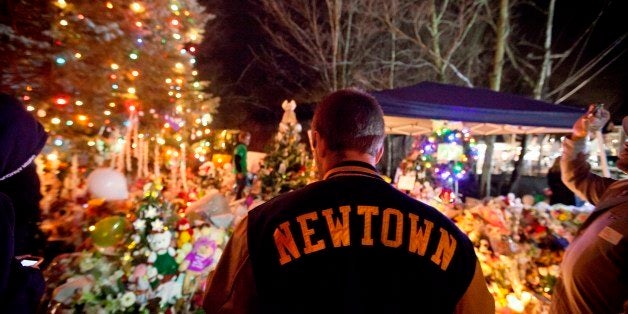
(107, 184)
(108, 231)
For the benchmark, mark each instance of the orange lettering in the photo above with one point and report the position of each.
(285, 243)
(339, 229)
(308, 232)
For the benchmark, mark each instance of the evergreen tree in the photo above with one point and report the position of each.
(286, 164)
(116, 59)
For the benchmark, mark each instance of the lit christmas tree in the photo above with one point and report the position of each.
(285, 166)
(121, 68)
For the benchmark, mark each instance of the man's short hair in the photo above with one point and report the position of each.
(350, 119)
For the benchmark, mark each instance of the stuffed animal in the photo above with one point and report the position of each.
(197, 262)
(185, 232)
(162, 254)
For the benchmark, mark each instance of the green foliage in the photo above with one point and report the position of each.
(287, 164)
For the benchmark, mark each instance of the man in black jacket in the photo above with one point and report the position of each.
(350, 243)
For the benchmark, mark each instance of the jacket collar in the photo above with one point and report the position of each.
(352, 168)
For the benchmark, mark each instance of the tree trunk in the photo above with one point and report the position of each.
(345, 56)
(547, 57)
(515, 177)
(485, 180)
(502, 31)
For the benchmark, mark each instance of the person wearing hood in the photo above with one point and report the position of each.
(22, 138)
(593, 276)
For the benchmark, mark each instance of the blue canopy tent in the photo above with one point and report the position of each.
(413, 110)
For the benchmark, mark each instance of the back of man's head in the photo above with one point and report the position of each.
(350, 119)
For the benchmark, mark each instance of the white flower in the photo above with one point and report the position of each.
(117, 274)
(151, 212)
(127, 299)
(86, 264)
(151, 272)
(139, 224)
(157, 225)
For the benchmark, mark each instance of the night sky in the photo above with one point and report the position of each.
(252, 98)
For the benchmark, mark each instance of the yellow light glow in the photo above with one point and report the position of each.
(55, 120)
(82, 117)
(196, 84)
(136, 7)
(179, 65)
(166, 125)
(30, 108)
(195, 73)
(61, 3)
(168, 81)
(41, 113)
(179, 109)
(114, 66)
(112, 104)
(174, 7)
(63, 23)
(131, 90)
(179, 81)
(135, 73)
(107, 112)
(175, 22)
(109, 5)
(138, 24)
(78, 103)
(178, 95)
(170, 93)
(92, 228)
(52, 156)
(179, 138)
(77, 55)
(91, 125)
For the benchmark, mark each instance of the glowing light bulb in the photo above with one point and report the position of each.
(176, 36)
(135, 73)
(55, 120)
(138, 24)
(114, 66)
(131, 90)
(60, 60)
(61, 101)
(63, 23)
(174, 22)
(174, 7)
(61, 3)
(77, 55)
(168, 81)
(78, 103)
(133, 56)
(136, 7)
(107, 112)
(30, 108)
(82, 117)
(69, 123)
(109, 5)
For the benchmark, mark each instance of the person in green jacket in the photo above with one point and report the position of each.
(239, 160)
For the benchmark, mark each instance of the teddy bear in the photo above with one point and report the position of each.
(162, 254)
